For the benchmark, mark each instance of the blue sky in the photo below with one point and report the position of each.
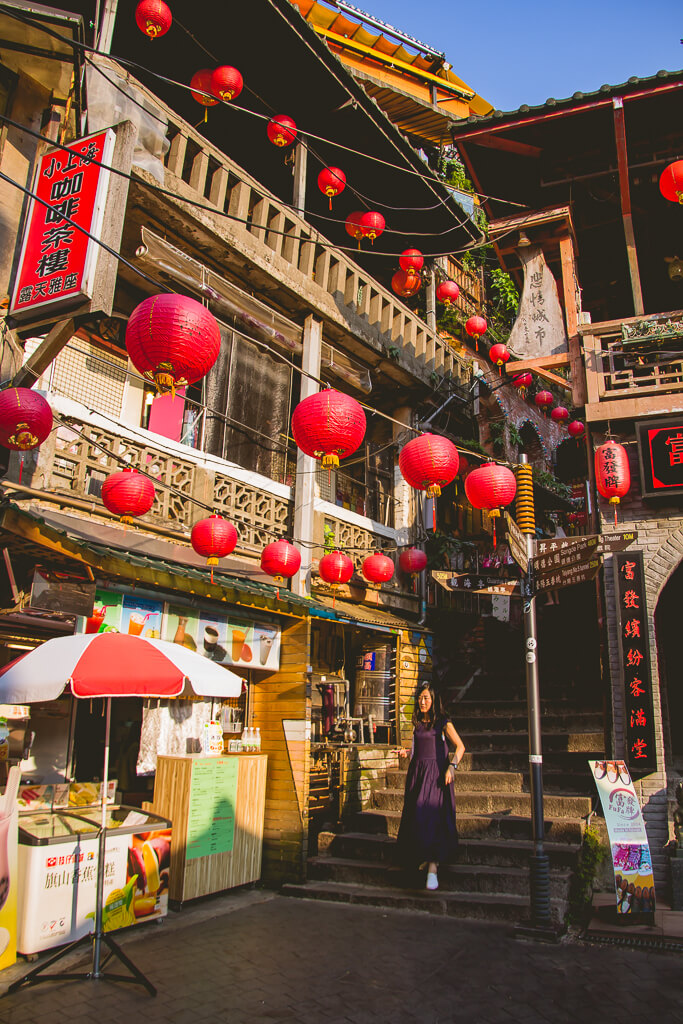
(514, 53)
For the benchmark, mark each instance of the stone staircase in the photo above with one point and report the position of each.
(490, 878)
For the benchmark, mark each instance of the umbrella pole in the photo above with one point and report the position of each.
(102, 848)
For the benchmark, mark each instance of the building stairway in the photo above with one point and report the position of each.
(490, 876)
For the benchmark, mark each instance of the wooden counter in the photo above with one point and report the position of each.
(216, 807)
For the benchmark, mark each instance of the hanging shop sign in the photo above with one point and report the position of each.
(634, 649)
(58, 261)
(633, 878)
(660, 450)
(62, 592)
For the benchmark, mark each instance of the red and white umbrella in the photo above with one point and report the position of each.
(112, 665)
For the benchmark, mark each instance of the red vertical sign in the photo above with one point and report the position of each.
(635, 658)
(58, 261)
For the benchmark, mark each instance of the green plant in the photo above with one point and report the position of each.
(515, 436)
(583, 878)
(453, 173)
(549, 480)
(498, 434)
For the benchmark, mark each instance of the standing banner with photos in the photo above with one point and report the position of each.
(633, 878)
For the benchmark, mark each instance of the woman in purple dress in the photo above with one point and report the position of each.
(427, 833)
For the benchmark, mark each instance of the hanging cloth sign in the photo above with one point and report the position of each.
(633, 878)
(539, 327)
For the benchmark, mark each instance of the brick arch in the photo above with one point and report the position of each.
(533, 443)
(661, 566)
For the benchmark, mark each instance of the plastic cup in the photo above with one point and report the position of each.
(94, 621)
(238, 638)
(265, 644)
(136, 623)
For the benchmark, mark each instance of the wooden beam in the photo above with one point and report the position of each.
(48, 350)
(622, 159)
(540, 365)
(634, 408)
(570, 289)
(484, 202)
(507, 145)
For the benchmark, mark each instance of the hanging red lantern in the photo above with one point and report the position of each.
(281, 560)
(499, 355)
(354, 226)
(281, 130)
(522, 382)
(671, 182)
(200, 85)
(612, 473)
(153, 17)
(213, 538)
(576, 429)
(475, 327)
(378, 568)
(406, 285)
(543, 399)
(172, 340)
(128, 493)
(328, 425)
(336, 568)
(373, 225)
(447, 292)
(411, 260)
(490, 487)
(412, 561)
(428, 463)
(559, 414)
(331, 182)
(25, 419)
(226, 83)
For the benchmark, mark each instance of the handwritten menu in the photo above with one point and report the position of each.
(635, 659)
(211, 814)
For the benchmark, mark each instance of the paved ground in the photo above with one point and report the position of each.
(257, 957)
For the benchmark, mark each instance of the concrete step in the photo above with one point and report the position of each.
(501, 782)
(478, 906)
(490, 802)
(518, 722)
(590, 742)
(461, 878)
(495, 852)
(569, 761)
(479, 826)
(506, 708)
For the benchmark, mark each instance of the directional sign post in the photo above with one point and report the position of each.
(517, 543)
(567, 575)
(616, 541)
(560, 553)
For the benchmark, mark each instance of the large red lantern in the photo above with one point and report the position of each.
(671, 182)
(335, 568)
(576, 429)
(214, 538)
(428, 463)
(200, 85)
(559, 414)
(128, 493)
(226, 83)
(373, 224)
(406, 285)
(612, 473)
(411, 260)
(281, 130)
(412, 561)
(490, 487)
(499, 355)
(172, 340)
(447, 292)
(328, 425)
(522, 382)
(281, 560)
(354, 226)
(153, 17)
(331, 182)
(475, 327)
(543, 399)
(378, 568)
(25, 419)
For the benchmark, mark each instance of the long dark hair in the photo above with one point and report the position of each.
(435, 713)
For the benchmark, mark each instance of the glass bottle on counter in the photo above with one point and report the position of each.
(257, 740)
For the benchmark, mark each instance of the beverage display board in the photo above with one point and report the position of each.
(211, 811)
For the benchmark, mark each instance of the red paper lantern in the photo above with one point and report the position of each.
(576, 429)
(499, 355)
(153, 17)
(490, 487)
(201, 81)
(378, 568)
(354, 226)
(671, 182)
(213, 538)
(612, 473)
(281, 130)
(543, 399)
(406, 285)
(25, 419)
(476, 326)
(127, 494)
(172, 340)
(336, 568)
(559, 414)
(226, 83)
(411, 260)
(328, 425)
(523, 382)
(412, 560)
(428, 463)
(281, 560)
(447, 292)
(331, 182)
(373, 224)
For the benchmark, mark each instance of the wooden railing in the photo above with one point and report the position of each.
(268, 230)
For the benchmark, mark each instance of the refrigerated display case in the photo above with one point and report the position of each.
(57, 873)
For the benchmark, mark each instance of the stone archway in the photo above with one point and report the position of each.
(533, 444)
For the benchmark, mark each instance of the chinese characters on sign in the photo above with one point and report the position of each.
(660, 446)
(58, 261)
(539, 327)
(635, 654)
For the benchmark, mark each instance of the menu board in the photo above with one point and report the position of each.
(211, 812)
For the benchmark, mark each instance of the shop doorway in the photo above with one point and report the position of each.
(669, 656)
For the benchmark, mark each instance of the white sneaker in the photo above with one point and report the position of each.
(432, 880)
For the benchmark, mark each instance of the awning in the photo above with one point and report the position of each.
(360, 615)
